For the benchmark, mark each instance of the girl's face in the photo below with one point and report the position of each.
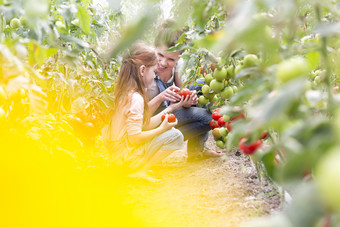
(149, 75)
(166, 61)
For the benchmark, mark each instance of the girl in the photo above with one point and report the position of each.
(132, 137)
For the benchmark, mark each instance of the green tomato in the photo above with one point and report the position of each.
(220, 74)
(292, 68)
(226, 118)
(327, 177)
(223, 131)
(15, 23)
(225, 139)
(220, 144)
(230, 72)
(250, 60)
(203, 100)
(216, 86)
(23, 21)
(238, 69)
(209, 96)
(227, 93)
(205, 89)
(216, 133)
(226, 83)
(208, 78)
(214, 99)
(235, 89)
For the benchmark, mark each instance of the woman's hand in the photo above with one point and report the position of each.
(170, 94)
(192, 100)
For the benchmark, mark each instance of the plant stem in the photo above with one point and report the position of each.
(324, 53)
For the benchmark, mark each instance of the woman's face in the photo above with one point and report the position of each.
(166, 61)
(149, 75)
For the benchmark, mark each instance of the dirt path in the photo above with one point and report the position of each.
(211, 192)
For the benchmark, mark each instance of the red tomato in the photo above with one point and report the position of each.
(221, 122)
(216, 115)
(228, 126)
(171, 118)
(249, 149)
(213, 124)
(185, 92)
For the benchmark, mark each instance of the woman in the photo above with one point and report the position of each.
(193, 121)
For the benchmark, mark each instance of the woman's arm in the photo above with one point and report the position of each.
(178, 81)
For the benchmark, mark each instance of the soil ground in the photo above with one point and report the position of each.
(211, 192)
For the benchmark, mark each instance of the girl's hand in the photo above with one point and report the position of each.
(175, 105)
(165, 125)
(170, 94)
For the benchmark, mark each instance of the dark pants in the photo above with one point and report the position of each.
(194, 122)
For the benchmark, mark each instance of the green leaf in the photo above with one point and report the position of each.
(131, 34)
(306, 209)
(84, 19)
(275, 105)
(175, 48)
(314, 59)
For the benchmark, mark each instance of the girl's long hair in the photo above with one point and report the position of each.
(129, 78)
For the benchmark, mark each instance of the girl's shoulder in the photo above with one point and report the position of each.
(136, 97)
(137, 100)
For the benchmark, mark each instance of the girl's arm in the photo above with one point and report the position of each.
(150, 134)
(168, 94)
(156, 120)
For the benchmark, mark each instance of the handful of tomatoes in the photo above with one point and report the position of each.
(171, 117)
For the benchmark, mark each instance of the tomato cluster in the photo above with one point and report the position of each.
(219, 131)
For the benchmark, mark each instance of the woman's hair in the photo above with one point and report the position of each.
(168, 34)
(129, 78)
